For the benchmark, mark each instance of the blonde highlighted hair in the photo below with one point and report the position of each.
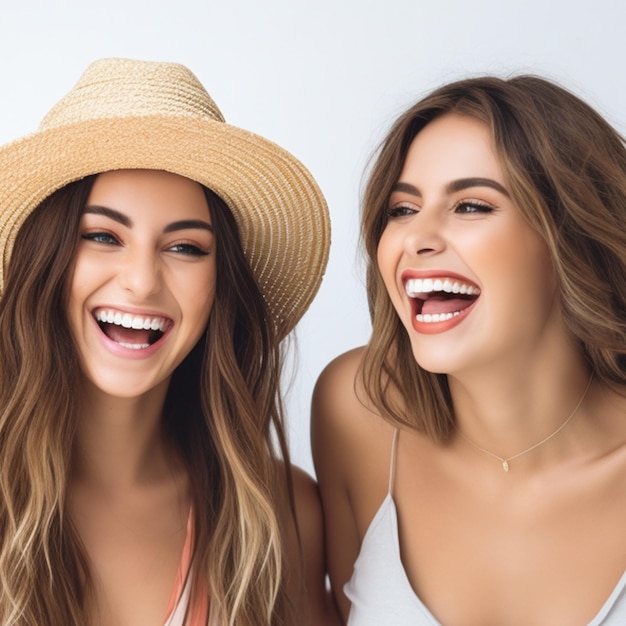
(222, 410)
(565, 168)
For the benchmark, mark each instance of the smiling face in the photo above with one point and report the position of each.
(471, 281)
(143, 281)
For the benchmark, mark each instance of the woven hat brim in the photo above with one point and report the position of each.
(280, 210)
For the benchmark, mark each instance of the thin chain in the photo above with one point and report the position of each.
(505, 461)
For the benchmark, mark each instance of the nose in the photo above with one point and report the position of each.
(425, 234)
(140, 272)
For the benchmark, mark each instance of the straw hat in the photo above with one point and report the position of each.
(126, 114)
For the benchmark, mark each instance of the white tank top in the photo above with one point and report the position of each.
(381, 593)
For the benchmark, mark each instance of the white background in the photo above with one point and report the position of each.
(324, 79)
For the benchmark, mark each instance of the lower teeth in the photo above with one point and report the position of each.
(134, 346)
(436, 317)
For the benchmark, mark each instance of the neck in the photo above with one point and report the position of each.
(120, 441)
(510, 411)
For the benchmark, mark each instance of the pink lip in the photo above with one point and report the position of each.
(433, 328)
(122, 351)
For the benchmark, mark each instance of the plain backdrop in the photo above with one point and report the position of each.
(324, 79)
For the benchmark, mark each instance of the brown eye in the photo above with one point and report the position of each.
(401, 210)
(472, 206)
(187, 249)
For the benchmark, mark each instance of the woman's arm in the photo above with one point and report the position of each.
(339, 436)
(316, 602)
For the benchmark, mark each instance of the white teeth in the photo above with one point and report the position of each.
(137, 322)
(134, 346)
(421, 287)
(436, 317)
(416, 286)
(157, 324)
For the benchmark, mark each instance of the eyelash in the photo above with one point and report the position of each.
(187, 249)
(101, 237)
(108, 239)
(474, 206)
(400, 210)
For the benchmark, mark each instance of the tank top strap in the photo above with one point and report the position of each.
(392, 461)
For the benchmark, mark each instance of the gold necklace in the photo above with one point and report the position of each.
(505, 461)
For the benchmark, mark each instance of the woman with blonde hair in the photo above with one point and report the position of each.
(153, 257)
(472, 457)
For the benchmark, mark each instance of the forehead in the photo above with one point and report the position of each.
(138, 176)
(450, 147)
(153, 191)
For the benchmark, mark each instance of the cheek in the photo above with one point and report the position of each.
(85, 274)
(518, 275)
(527, 258)
(387, 258)
(200, 296)
(75, 293)
(209, 300)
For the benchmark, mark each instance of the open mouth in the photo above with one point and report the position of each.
(439, 299)
(131, 331)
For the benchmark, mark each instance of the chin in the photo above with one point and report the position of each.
(438, 359)
(123, 387)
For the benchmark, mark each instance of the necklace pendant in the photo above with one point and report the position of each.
(505, 465)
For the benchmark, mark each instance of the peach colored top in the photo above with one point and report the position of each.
(189, 604)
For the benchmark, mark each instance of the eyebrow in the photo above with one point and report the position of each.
(187, 224)
(124, 220)
(466, 183)
(112, 214)
(455, 185)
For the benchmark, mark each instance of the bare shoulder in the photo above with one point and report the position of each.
(351, 446)
(338, 379)
(337, 405)
(343, 425)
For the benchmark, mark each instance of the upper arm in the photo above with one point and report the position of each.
(337, 445)
(307, 562)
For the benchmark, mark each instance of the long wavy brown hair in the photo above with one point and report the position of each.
(222, 410)
(565, 168)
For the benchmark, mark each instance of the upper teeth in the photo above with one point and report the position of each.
(416, 286)
(138, 322)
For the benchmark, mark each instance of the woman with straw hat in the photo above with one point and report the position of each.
(153, 257)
